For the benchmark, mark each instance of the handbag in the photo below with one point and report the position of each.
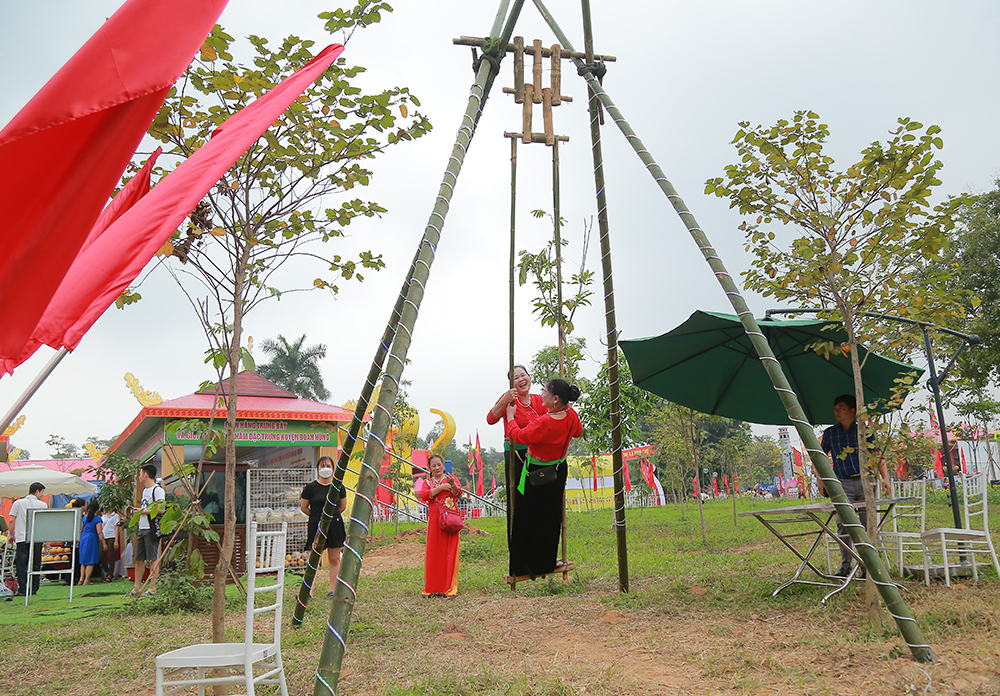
(449, 519)
(544, 475)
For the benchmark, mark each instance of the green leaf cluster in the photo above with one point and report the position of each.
(863, 238)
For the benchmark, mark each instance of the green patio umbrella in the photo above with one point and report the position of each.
(708, 364)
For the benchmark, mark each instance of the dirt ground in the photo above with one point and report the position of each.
(582, 645)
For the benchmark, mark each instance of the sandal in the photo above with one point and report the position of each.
(132, 594)
(148, 593)
(329, 595)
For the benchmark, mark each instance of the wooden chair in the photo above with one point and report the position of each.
(267, 557)
(965, 543)
(902, 531)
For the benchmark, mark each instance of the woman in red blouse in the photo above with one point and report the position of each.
(538, 511)
(441, 558)
(527, 407)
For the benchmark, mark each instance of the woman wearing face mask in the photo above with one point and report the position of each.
(538, 520)
(441, 558)
(313, 499)
(527, 407)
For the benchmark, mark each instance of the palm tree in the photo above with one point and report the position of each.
(294, 367)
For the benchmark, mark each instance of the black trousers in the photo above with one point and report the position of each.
(21, 566)
(537, 525)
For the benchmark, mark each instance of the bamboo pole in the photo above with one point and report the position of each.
(621, 533)
(513, 261)
(904, 619)
(345, 596)
(319, 543)
(560, 328)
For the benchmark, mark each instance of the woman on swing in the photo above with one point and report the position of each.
(537, 520)
(527, 407)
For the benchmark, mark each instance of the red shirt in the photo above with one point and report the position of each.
(546, 437)
(522, 414)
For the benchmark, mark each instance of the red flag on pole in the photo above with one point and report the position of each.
(593, 464)
(63, 154)
(938, 467)
(901, 469)
(964, 470)
(493, 486)
(694, 484)
(736, 483)
(93, 283)
(628, 479)
(479, 466)
(715, 485)
(725, 480)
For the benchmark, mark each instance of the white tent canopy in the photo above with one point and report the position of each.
(15, 483)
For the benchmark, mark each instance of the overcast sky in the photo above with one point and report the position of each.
(686, 74)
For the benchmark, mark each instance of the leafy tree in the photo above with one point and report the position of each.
(62, 449)
(545, 271)
(594, 409)
(679, 436)
(545, 364)
(975, 256)
(274, 204)
(295, 367)
(865, 239)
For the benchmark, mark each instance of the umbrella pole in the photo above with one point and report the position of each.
(898, 609)
(609, 297)
(345, 596)
(32, 388)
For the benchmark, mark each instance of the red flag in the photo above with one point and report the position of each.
(964, 470)
(725, 480)
(694, 484)
(63, 154)
(938, 468)
(479, 466)
(901, 469)
(736, 483)
(715, 485)
(797, 456)
(135, 189)
(593, 464)
(92, 283)
(628, 479)
(781, 485)
(493, 486)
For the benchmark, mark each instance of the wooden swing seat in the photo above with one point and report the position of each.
(512, 580)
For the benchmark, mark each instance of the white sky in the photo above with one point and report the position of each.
(686, 74)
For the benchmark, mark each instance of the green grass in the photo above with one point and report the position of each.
(706, 607)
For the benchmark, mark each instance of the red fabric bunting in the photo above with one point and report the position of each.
(593, 464)
(63, 154)
(479, 466)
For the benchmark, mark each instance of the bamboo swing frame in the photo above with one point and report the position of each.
(389, 361)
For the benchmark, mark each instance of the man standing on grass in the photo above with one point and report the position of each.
(19, 533)
(147, 544)
(840, 442)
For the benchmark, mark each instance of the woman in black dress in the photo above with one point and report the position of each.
(313, 499)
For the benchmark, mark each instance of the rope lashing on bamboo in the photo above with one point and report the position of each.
(597, 69)
(319, 677)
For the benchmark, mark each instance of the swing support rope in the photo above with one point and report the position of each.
(345, 595)
(895, 605)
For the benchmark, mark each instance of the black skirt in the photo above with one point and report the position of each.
(336, 535)
(534, 528)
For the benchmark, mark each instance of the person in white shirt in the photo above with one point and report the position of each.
(18, 532)
(147, 545)
(109, 527)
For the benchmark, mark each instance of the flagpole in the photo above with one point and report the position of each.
(32, 388)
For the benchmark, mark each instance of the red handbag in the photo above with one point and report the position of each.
(449, 519)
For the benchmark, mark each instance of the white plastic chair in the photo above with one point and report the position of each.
(975, 538)
(902, 535)
(267, 556)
